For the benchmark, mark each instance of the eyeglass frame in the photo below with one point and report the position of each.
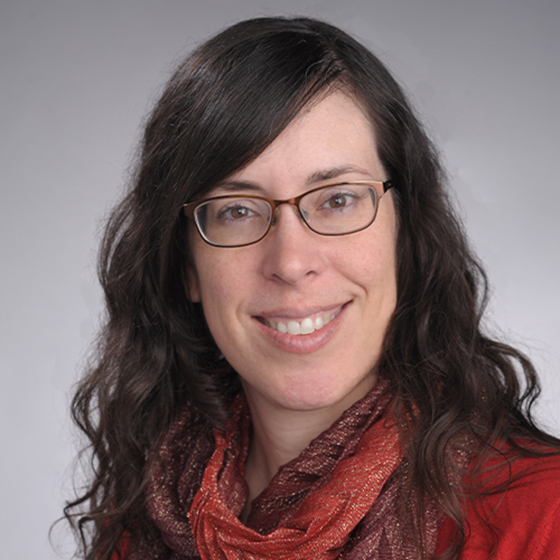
(190, 207)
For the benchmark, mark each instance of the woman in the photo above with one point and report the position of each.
(292, 364)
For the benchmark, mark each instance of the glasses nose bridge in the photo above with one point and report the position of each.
(294, 202)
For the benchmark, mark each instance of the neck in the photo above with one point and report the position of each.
(280, 435)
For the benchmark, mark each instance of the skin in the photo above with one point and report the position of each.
(298, 385)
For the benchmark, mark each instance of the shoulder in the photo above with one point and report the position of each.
(517, 515)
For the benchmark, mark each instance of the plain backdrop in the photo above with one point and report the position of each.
(76, 80)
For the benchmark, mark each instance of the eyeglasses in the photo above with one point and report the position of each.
(239, 220)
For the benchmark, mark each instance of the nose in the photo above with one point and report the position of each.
(292, 251)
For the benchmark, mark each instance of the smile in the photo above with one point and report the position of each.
(306, 326)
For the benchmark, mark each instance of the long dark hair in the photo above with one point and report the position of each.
(223, 106)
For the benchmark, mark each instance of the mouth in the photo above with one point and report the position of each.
(307, 325)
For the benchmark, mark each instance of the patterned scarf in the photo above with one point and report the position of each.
(339, 499)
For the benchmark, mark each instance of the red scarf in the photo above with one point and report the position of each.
(322, 523)
(340, 497)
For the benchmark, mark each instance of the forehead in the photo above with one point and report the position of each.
(331, 139)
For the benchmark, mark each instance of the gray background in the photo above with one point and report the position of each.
(76, 79)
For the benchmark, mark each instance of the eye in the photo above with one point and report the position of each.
(230, 211)
(235, 212)
(339, 199)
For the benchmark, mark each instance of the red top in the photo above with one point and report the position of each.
(525, 519)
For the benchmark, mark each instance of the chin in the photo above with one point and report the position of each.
(315, 395)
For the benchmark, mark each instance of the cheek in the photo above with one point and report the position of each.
(193, 287)
(375, 272)
(221, 281)
(216, 286)
(384, 247)
(370, 260)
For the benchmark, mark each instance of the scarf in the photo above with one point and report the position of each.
(339, 499)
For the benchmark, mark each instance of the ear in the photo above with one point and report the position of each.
(193, 285)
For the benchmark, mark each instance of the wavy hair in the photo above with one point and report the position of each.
(222, 107)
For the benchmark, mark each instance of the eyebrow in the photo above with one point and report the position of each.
(236, 186)
(334, 172)
(316, 177)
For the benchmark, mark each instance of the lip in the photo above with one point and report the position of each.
(301, 344)
(300, 313)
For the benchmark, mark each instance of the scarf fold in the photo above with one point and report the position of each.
(338, 498)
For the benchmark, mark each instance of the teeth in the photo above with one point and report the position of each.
(294, 327)
(307, 326)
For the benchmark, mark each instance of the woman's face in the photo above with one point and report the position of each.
(295, 274)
